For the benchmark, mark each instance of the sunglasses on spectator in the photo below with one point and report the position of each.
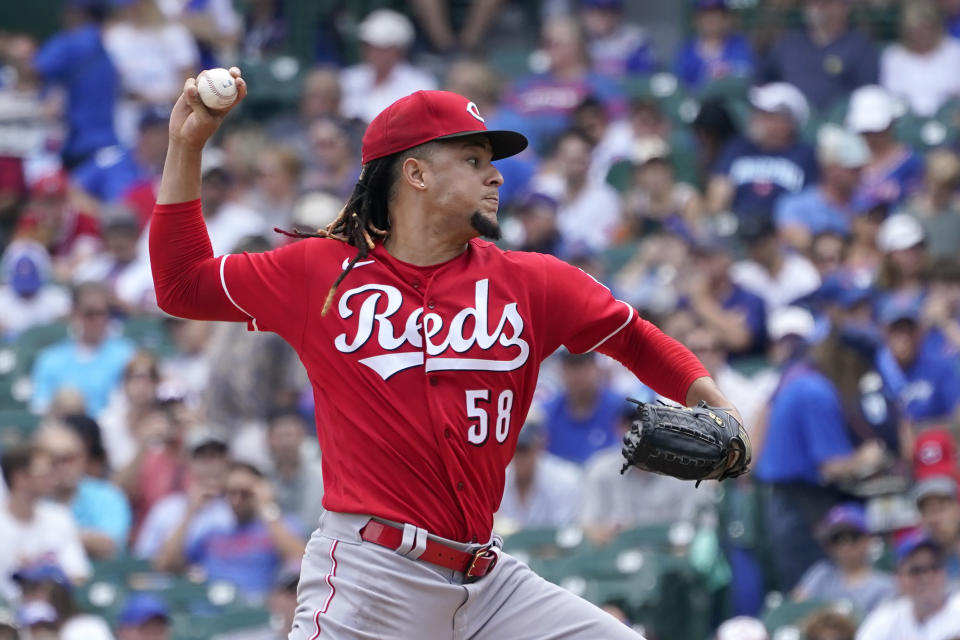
(918, 570)
(239, 493)
(845, 536)
(94, 313)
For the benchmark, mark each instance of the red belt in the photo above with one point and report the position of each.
(472, 565)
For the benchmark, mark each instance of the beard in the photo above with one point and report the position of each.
(489, 229)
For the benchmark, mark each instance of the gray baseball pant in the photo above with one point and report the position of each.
(351, 589)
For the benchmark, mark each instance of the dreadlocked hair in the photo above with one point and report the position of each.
(363, 218)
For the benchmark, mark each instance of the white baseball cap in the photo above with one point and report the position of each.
(386, 28)
(781, 97)
(872, 108)
(742, 628)
(840, 147)
(900, 231)
(790, 321)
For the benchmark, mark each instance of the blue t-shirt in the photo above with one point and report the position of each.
(930, 387)
(92, 372)
(823, 74)
(541, 105)
(696, 69)
(243, 555)
(810, 210)
(110, 174)
(893, 185)
(752, 307)
(102, 507)
(761, 176)
(576, 439)
(78, 60)
(806, 428)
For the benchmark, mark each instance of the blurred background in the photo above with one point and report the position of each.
(774, 183)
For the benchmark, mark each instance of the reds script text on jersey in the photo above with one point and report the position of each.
(422, 375)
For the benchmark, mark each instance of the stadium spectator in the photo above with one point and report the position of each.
(535, 228)
(129, 405)
(384, 76)
(540, 489)
(434, 18)
(185, 516)
(153, 56)
(738, 316)
(810, 446)
(894, 172)
(144, 616)
(90, 361)
(69, 231)
(927, 382)
(926, 610)
(936, 205)
(828, 253)
(828, 205)
(320, 97)
(941, 310)
(712, 129)
(265, 29)
(157, 468)
(616, 47)
(612, 502)
(76, 59)
(827, 60)
(847, 575)
(229, 219)
(715, 51)
(120, 174)
(580, 419)
(921, 68)
(938, 502)
(276, 186)
(27, 295)
(120, 267)
(753, 171)
(49, 585)
(100, 509)
(34, 531)
(259, 542)
(214, 24)
(772, 271)
(588, 211)
(905, 262)
(656, 200)
(828, 625)
(294, 471)
(544, 102)
(333, 164)
(186, 372)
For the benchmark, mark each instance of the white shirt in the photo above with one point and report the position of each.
(150, 60)
(591, 217)
(85, 627)
(552, 500)
(50, 303)
(232, 223)
(51, 536)
(797, 278)
(894, 621)
(925, 81)
(363, 99)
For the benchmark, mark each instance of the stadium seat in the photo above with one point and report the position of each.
(150, 333)
(17, 425)
(790, 615)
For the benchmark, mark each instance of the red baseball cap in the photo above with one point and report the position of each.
(432, 115)
(935, 454)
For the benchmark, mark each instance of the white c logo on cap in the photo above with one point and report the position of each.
(472, 110)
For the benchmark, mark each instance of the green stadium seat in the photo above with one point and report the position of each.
(790, 615)
(17, 425)
(120, 568)
(150, 333)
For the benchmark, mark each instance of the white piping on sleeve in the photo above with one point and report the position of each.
(615, 331)
(223, 283)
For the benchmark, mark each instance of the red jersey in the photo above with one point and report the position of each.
(422, 375)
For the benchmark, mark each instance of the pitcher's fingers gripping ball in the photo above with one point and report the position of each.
(699, 443)
(217, 88)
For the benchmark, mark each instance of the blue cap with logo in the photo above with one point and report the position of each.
(914, 541)
(900, 306)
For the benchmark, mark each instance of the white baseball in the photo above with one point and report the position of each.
(217, 88)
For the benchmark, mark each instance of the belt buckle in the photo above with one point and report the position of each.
(483, 553)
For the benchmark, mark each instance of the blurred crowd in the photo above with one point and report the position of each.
(780, 193)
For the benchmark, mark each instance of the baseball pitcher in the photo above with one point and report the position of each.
(423, 343)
